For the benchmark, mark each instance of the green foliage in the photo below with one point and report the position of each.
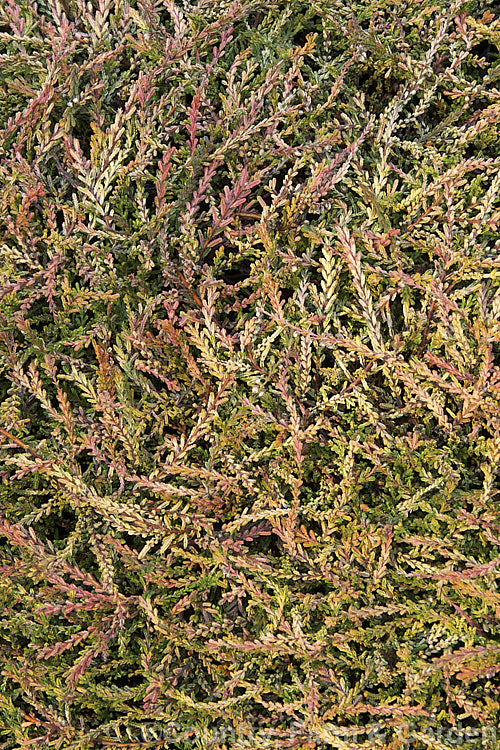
(249, 374)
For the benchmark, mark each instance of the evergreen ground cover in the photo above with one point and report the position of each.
(249, 374)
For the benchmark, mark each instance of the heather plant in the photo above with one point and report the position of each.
(249, 374)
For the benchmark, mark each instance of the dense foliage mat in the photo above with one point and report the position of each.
(249, 374)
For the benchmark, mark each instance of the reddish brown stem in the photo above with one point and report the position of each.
(19, 443)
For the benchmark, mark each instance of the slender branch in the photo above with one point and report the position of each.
(19, 443)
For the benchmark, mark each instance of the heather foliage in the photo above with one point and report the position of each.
(249, 371)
